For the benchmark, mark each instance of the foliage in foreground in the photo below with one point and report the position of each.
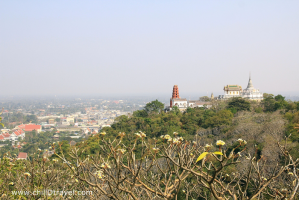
(171, 169)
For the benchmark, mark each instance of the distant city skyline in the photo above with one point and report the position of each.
(117, 48)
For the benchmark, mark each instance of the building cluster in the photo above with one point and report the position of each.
(95, 116)
(249, 93)
(230, 91)
(69, 120)
(73, 119)
(182, 103)
(18, 132)
(80, 124)
(91, 118)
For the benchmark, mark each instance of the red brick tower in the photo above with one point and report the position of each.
(175, 94)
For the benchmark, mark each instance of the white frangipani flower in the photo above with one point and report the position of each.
(220, 143)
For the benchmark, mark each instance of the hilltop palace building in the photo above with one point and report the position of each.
(249, 93)
(183, 103)
(230, 91)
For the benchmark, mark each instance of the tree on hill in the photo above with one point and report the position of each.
(269, 102)
(238, 104)
(279, 98)
(280, 103)
(175, 110)
(154, 106)
(204, 98)
(223, 117)
(140, 113)
(267, 95)
(272, 103)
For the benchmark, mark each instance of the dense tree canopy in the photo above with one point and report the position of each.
(205, 98)
(272, 103)
(238, 104)
(223, 117)
(122, 146)
(154, 106)
(189, 122)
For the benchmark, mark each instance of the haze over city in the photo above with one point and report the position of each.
(144, 48)
(149, 99)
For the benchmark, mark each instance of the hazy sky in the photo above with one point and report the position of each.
(137, 47)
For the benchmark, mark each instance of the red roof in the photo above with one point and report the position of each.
(22, 126)
(22, 155)
(30, 127)
(18, 132)
(1, 137)
(6, 134)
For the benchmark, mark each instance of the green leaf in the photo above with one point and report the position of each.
(202, 156)
(218, 153)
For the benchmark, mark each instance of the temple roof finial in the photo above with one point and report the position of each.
(250, 85)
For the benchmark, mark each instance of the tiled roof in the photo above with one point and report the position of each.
(22, 155)
(232, 88)
(18, 132)
(22, 126)
(6, 134)
(179, 99)
(30, 127)
(203, 103)
(1, 137)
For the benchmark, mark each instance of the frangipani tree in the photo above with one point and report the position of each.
(164, 168)
(177, 168)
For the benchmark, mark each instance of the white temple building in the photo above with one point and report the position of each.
(183, 103)
(249, 93)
